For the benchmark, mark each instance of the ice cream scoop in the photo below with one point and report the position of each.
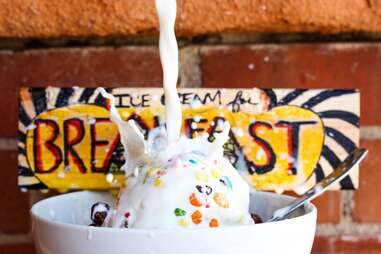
(183, 184)
(188, 190)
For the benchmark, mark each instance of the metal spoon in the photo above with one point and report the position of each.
(338, 174)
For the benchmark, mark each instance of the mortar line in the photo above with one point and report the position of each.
(230, 38)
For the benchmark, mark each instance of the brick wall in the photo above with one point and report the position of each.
(347, 220)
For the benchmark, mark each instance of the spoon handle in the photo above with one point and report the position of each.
(338, 174)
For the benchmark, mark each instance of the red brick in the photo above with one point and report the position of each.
(367, 206)
(17, 249)
(299, 66)
(129, 66)
(57, 18)
(14, 212)
(346, 244)
(329, 207)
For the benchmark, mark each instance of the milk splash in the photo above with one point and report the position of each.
(166, 142)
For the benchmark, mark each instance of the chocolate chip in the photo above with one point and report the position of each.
(125, 224)
(98, 217)
(256, 218)
(199, 188)
(208, 190)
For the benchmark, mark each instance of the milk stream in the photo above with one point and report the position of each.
(166, 11)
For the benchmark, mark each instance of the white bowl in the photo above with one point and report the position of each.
(60, 227)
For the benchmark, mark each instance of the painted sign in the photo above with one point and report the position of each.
(280, 138)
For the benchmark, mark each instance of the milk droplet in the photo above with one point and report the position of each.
(23, 189)
(67, 169)
(251, 66)
(125, 114)
(31, 127)
(197, 118)
(91, 121)
(266, 58)
(61, 174)
(195, 104)
(260, 154)
(238, 132)
(109, 177)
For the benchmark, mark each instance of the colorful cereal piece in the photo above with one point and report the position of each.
(158, 182)
(194, 200)
(202, 177)
(215, 174)
(208, 190)
(179, 212)
(196, 217)
(183, 223)
(214, 223)
(228, 182)
(221, 200)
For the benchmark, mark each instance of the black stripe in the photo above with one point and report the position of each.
(23, 171)
(21, 137)
(21, 150)
(291, 96)
(341, 139)
(319, 173)
(272, 96)
(39, 99)
(100, 100)
(86, 94)
(23, 116)
(346, 116)
(63, 97)
(38, 186)
(334, 161)
(325, 95)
